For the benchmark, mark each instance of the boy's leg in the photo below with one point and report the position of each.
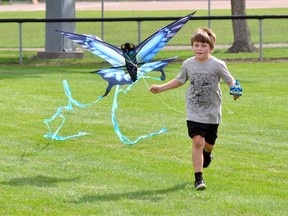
(210, 138)
(207, 154)
(208, 147)
(197, 131)
(197, 153)
(197, 159)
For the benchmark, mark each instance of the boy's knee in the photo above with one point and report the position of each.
(198, 141)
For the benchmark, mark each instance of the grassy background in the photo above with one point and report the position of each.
(34, 33)
(98, 175)
(274, 31)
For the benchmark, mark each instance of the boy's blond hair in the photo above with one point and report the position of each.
(204, 35)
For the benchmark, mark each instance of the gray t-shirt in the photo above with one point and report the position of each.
(204, 96)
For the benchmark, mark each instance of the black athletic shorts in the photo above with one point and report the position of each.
(208, 131)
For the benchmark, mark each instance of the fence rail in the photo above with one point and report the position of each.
(139, 20)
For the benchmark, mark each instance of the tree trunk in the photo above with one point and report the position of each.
(242, 38)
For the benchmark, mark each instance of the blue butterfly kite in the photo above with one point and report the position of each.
(129, 63)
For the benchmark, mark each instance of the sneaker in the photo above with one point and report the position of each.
(200, 185)
(207, 159)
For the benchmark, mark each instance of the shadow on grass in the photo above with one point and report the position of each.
(38, 181)
(27, 154)
(38, 70)
(152, 195)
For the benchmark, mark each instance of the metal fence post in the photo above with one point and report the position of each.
(20, 44)
(139, 32)
(102, 16)
(260, 40)
(209, 13)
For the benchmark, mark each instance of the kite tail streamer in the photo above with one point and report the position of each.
(69, 107)
(123, 138)
(72, 100)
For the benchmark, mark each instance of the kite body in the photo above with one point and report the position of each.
(129, 59)
(129, 54)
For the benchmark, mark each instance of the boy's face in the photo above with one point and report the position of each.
(201, 51)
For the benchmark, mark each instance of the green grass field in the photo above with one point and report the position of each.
(98, 175)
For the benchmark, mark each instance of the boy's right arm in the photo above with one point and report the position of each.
(166, 86)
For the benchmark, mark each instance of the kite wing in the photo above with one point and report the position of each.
(95, 45)
(114, 76)
(156, 66)
(147, 49)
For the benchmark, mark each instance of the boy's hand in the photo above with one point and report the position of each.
(236, 97)
(154, 89)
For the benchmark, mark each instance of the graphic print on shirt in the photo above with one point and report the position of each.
(202, 91)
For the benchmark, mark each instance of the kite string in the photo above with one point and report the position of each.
(172, 108)
(162, 101)
(229, 110)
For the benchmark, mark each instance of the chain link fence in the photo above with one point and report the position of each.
(27, 35)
